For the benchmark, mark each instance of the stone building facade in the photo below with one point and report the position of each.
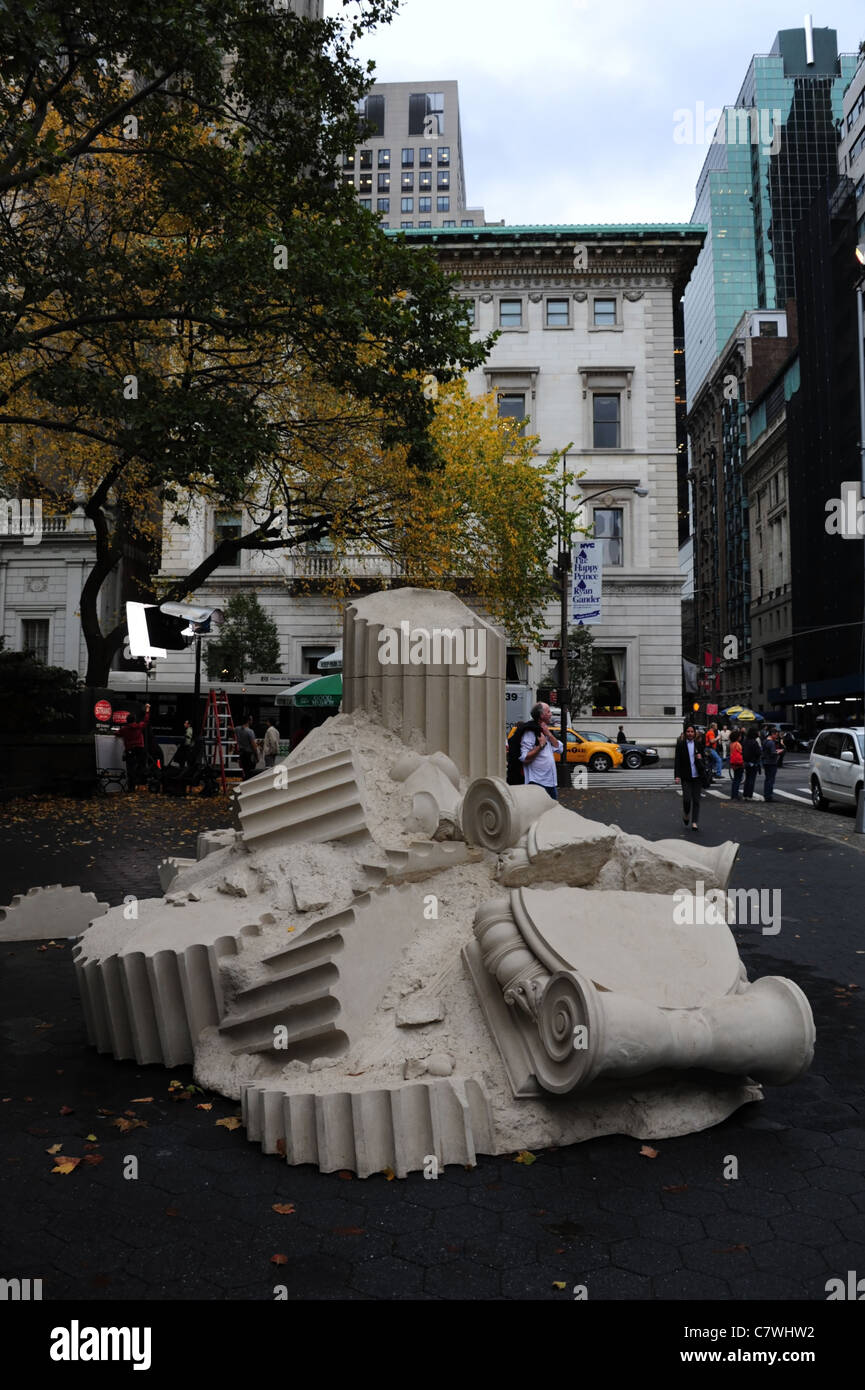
(718, 431)
(767, 486)
(40, 589)
(586, 352)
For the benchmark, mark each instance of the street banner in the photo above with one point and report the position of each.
(586, 583)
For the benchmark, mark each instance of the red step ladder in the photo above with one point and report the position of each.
(220, 736)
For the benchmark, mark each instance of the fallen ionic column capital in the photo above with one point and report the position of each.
(567, 1027)
(496, 816)
(766, 1032)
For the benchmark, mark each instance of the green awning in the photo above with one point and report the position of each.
(322, 692)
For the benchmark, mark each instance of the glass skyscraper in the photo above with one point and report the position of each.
(771, 153)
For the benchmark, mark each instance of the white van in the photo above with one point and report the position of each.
(835, 768)
(519, 699)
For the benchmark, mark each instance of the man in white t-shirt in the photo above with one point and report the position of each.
(537, 750)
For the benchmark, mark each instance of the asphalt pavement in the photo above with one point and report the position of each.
(167, 1203)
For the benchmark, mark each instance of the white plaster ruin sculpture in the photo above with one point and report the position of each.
(47, 912)
(396, 955)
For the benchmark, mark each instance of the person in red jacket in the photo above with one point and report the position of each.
(132, 734)
(737, 763)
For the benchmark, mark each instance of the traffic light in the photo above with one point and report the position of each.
(696, 707)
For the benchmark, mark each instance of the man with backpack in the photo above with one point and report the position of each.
(537, 748)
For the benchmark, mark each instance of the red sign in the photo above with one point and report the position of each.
(121, 716)
(102, 710)
(710, 709)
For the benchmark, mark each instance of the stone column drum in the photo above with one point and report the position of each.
(432, 671)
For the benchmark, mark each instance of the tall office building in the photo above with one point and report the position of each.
(771, 153)
(410, 169)
(851, 155)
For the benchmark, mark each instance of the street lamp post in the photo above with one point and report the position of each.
(860, 338)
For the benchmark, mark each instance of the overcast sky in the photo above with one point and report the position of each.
(567, 105)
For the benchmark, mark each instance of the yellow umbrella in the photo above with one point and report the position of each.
(744, 716)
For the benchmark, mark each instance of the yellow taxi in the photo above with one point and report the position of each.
(600, 757)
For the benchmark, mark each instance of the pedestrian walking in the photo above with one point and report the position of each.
(737, 764)
(689, 768)
(537, 752)
(271, 744)
(132, 734)
(780, 745)
(769, 759)
(712, 750)
(753, 754)
(621, 736)
(724, 742)
(247, 745)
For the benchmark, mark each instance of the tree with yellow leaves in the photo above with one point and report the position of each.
(177, 255)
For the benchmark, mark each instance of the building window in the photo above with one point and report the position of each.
(366, 203)
(424, 179)
(443, 179)
(606, 421)
(384, 159)
(383, 205)
(443, 204)
(348, 179)
(34, 638)
(469, 307)
(407, 183)
(424, 157)
(371, 111)
(227, 527)
(426, 114)
(406, 205)
(366, 159)
(449, 224)
(386, 225)
(467, 222)
(768, 328)
(311, 656)
(444, 156)
(384, 183)
(512, 406)
(365, 183)
(424, 204)
(605, 313)
(424, 224)
(608, 530)
(609, 695)
(557, 313)
(348, 161)
(510, 313)
(408, 158)
(406, 226)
